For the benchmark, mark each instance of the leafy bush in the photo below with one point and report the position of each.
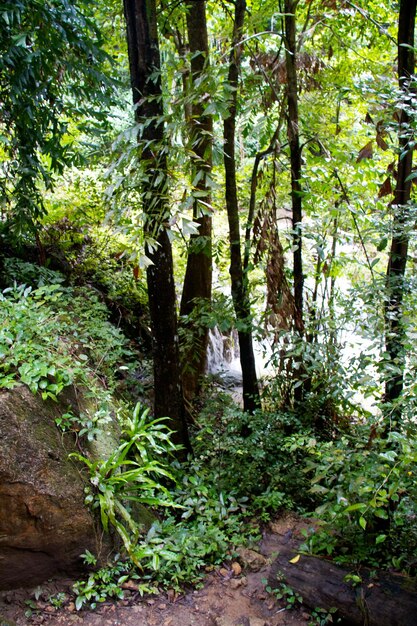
(202, 531)
(97, 256)
(21, 272)
(252, 455)
(52, 337)
(202, 528)
(369, 499)
(130, 474)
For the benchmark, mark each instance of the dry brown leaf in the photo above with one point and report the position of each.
(381, 143)
(130, 585)
(366, 152)
(237, 570)
(386, 188)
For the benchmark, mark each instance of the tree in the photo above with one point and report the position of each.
(295, 154)
(395, 276)
(51, 76)
(198, 275)
(239, 281)
(145, 73)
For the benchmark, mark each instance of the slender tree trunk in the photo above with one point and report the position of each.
(295, 155)
(293, 132)
(198, 275)
(144, 62)
(240, 295)
(400, 239)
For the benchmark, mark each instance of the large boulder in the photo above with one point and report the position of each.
(44, 524)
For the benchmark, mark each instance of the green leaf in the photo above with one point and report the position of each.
(359, 506)
(362, 522)
(411, 176)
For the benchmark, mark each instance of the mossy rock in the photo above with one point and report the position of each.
(44, 524)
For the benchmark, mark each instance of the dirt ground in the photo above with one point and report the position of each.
(233, 595)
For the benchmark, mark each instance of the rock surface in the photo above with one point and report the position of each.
(44, 525)
(252, 560)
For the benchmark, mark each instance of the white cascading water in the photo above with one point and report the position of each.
(223, 358)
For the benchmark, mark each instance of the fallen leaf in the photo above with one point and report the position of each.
(129, 585)
(235, 583)
(237, 570)
(295, 559)
(172, 596)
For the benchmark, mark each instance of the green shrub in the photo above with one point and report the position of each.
(369, 499)
(131, 474)
(52, 337)
(252, 455)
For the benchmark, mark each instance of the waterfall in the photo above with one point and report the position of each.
(222, 351)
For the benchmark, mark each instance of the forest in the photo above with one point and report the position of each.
(208, 249)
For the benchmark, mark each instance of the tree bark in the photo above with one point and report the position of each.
(387, 600)
(394, 331)
(295, 156)
(239, 283)
(198, 274)
(293, 132)
(144, 63)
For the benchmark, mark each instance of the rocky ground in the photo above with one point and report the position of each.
(233, 595)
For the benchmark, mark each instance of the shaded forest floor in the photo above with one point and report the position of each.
(233, 595)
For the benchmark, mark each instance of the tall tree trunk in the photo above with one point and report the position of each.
(240, 291)
(295, 155)
(144, 62)
(198, 275)
(293, 132)
(394, 331)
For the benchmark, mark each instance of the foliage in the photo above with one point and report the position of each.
(329, 451)
(52, 80)
(130, 475)
(254, 455)
(321, 617)
(202, 528)
(103, 583)
(284, 593)
(96, 255)
(368, 498)
(52, 337)
(327, 404)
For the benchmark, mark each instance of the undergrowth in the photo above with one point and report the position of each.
(358, 485)
(54, 336)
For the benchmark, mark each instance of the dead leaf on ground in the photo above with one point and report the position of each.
(237, 570)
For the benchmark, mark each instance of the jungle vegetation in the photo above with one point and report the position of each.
(170, 167)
